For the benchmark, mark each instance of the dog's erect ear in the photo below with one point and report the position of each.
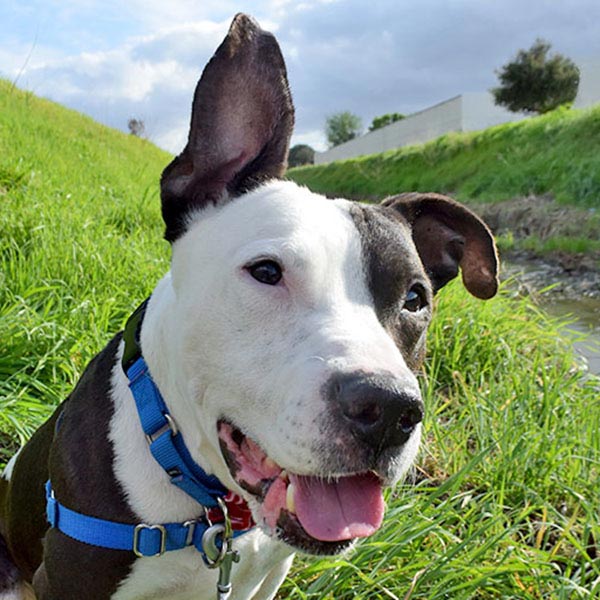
(448, 235)
(242, 119)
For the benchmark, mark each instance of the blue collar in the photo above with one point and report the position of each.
(169, 450)
(166, 442)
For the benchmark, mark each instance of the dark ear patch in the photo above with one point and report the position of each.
(448, 236)
(242, 119)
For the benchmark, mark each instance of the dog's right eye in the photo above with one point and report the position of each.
(266, 271)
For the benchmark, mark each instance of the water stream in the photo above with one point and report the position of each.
(575, 297)
(585, 313)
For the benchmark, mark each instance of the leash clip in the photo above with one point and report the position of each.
(221, 556)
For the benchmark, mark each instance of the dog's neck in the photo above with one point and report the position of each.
(165, 364)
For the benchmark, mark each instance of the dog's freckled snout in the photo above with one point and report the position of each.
(378, 411)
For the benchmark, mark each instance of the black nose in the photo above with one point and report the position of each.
(379, 409)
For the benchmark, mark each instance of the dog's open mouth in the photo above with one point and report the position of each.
(316, 514)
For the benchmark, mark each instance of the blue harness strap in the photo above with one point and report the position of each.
(169, 450)
(166, 442)
(142, 539)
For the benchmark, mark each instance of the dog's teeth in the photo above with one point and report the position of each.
(269, 463)
(290, 500)
(283, 475)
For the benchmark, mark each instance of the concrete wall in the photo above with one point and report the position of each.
(417, 128)
(468, 112)
(480, 112)
(589, 84)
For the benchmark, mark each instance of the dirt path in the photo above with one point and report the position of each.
(542, 219)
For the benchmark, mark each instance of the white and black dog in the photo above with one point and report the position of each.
(284, 342)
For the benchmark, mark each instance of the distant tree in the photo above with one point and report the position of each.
(342, 127)
(301, 154)
(383, 120)
(136, 127)
(534, 82)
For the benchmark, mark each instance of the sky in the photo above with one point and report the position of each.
(121, 59)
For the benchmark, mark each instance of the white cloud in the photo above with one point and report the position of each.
(152, 76)
(174, 137)
(117, 59)
(315, 139)
(17, 57)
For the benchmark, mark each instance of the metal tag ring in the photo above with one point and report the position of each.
(213, 554)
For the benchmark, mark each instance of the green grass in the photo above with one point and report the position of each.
(505, 500)
(507, 495)
(570, 245)
(80, 245)
(558, 154)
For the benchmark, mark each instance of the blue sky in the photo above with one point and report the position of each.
(116, 59)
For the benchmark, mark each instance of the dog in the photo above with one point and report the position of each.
(283, 344)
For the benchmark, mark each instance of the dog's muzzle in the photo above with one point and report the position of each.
(323, 513)
(314, 513)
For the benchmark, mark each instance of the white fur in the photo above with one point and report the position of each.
(177, 575)
(7, 473)
(279, 344)
(220, 344)
(23, 591)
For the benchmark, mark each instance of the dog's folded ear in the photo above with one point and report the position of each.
(448, 236)
(242, 120)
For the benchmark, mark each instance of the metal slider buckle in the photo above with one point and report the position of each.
(191, 529)
(136, 539)
(152, 437)
(52, 509)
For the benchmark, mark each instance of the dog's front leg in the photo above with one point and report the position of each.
(268, 588)
(22, 592)
(41, 587)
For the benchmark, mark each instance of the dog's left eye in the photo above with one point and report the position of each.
(415, 299)
(266, 271)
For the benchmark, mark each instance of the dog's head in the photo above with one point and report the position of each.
(300, 320)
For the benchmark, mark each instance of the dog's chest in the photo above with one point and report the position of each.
(182, 575)
(179, 575)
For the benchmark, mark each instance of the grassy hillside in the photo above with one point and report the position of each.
(504, 502)
(80, 245)
(558, 154)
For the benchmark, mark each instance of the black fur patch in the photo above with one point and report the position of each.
(9, 575)
(392, 267)
(79, 458)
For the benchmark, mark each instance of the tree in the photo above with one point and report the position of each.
(342, 127)
(534, 82)
(301, 154)
(136, 127)
(383, 120)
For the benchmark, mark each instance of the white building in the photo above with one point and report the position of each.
(589, 84)
(467, 112)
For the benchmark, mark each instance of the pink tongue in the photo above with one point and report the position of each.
(332, 511)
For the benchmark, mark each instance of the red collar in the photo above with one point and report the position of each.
(239, 513)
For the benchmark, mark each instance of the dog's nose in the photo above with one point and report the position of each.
(380, 411)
